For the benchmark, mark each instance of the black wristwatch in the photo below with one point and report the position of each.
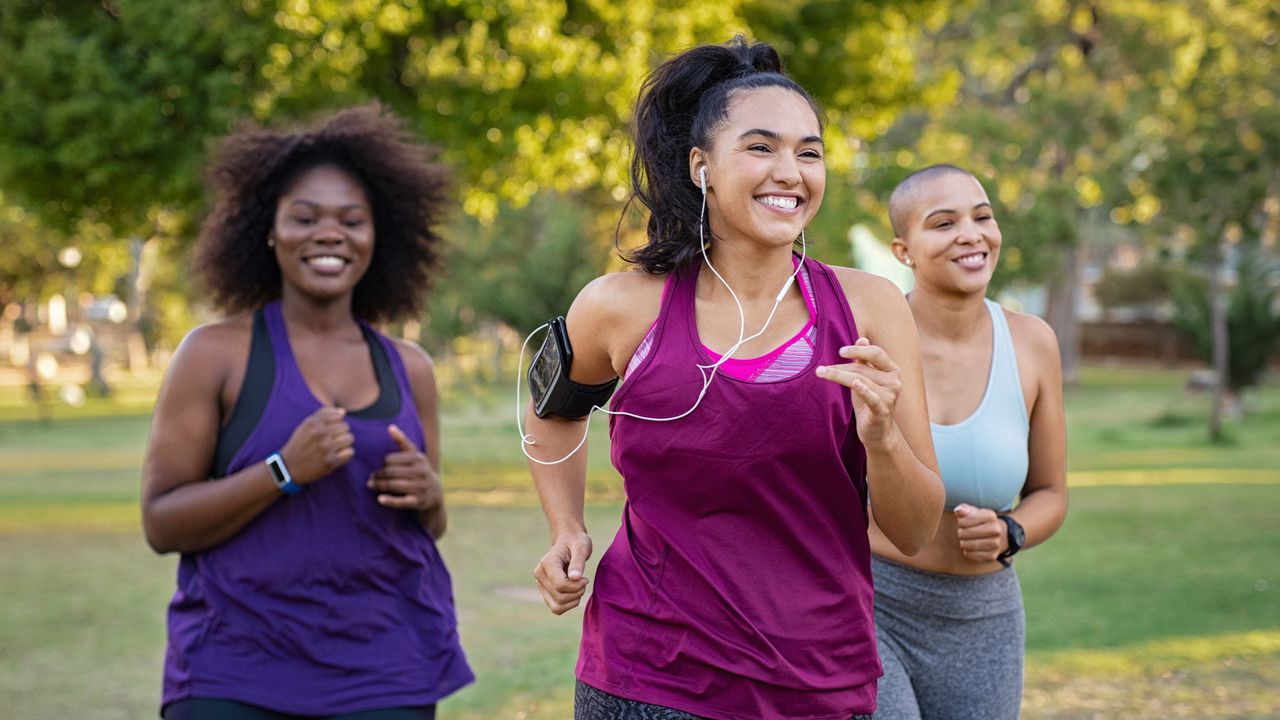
(1017, 538)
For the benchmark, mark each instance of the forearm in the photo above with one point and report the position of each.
(906, 495)
(199, 515)
(1040, 513)
(562, 486)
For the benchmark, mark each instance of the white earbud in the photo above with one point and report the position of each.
(702, 175)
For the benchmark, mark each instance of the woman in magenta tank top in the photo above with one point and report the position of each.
(300, 486)
(739, 585)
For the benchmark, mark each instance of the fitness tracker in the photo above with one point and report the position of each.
(1017, 538)
(553, 392)
(280, 474)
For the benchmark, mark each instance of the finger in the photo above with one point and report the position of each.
(975, 517)
(867, 392)
(880, 377)
(329, 414)
(342, 439)
(402, 440)
(977, 532)
(553, 569)
(983, 545)
(872, 355)
(400, 459)
(578, 554)
(340, 457)
(400, 502)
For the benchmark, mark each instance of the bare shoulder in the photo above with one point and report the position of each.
(877, 303)
(211, 350)
(418, 365)
(621, 294)
(609, 319)
(1033, 337)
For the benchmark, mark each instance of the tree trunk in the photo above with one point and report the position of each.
(1218, 318)
(1061, 313)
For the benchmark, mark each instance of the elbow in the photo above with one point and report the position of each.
(158, 539)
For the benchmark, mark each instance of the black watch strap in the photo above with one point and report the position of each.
(1017, 538)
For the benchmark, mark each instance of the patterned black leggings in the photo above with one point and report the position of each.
(592, 704)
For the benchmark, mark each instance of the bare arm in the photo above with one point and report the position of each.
(1043, 507)
(605, 323)
(886, 380)
(181, 510)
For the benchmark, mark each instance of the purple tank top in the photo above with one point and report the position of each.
(327, 602)
(739, 585)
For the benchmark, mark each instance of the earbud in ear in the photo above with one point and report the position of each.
(702, 175)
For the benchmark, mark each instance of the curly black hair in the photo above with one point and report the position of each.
(254, 167)
(681, 104)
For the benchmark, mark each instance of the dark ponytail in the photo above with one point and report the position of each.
(681, 105)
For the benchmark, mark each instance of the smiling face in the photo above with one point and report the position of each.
(323, 233)
(764, 168)
(950, 234)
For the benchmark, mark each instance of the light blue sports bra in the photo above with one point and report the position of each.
(983, 458)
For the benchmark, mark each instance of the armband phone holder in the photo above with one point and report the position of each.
(553, 392)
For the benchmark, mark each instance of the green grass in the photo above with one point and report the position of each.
(1160, 597)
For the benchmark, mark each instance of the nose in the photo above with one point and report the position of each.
(968, 231)
(786, 170)
(329, 230)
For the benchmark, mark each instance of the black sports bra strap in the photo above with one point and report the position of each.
(259, 377)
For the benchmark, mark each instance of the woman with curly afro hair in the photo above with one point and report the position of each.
(294, 451)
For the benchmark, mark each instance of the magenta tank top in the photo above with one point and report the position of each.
(739, 585)
(326, 603)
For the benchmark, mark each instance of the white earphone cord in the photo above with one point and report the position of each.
(708, 371)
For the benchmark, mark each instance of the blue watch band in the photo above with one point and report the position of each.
(280, 474)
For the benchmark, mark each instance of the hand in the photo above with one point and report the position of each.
(319, 445)
(981, 533)
(559, 572)
(874, 383)
(406, 480)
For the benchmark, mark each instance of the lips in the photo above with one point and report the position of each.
(971, 261)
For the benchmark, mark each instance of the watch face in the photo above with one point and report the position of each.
(1016, 533)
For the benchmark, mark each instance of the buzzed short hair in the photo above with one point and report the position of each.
(906, 194)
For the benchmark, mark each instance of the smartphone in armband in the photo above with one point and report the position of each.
(553, 392)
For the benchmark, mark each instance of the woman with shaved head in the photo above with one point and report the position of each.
(949, 620)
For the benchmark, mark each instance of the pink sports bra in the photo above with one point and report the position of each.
(783, 362)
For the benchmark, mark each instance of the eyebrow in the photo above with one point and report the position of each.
(949, 211)
(775, 136)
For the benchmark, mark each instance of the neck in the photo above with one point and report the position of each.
(754, 272)
(316, 316)
(946, 315)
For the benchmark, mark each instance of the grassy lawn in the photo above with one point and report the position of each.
(1159, 598)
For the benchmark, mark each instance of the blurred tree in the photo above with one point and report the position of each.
(1252, 315)
(109, 106)
(1211, 157)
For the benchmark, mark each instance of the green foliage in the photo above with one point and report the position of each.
(1253, 317)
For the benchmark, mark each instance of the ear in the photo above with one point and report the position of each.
(697, 161)
(899, 248)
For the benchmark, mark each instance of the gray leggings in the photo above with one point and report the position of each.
(951, 645)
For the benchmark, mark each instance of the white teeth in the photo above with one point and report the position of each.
(327, 261)
(975, 260)
(787, 203)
